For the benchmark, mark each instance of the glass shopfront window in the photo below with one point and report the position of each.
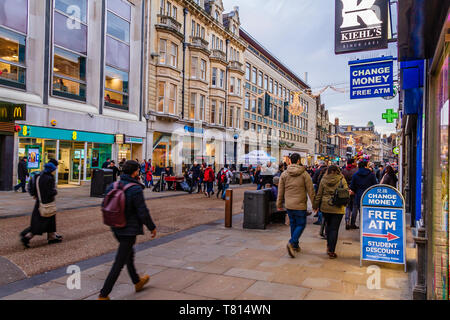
(162, 151)
(125, 151)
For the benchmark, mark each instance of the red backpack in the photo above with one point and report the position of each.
(113, 206)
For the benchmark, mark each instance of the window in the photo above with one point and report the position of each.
(194, 64)
(116, 87)
(162, 7)
(247, 72)
(12, 58)
(117, 54)
(246, 125)
(231, 117)
(253, 104)
(238, 118)
(221, 113)
(213, 111)
(14, 15)
(70, 50)
(266, 79)
(247, 101)
(202, 108)
(222, 76)
(213, 42)
(232, 84)
(173, 55)
(254, 75)
(161, 96)
(203, 69)
(174, 12)
(192, 106)
(253, 127)
(260, 102)
(276, 88)
(260, 79)
(238, 88)
(271, 85)
(172, 98)
(214, 77)
(162, 51)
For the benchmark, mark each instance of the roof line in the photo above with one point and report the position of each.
(272, 57)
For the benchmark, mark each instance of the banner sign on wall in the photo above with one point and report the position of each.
(361, 25)
(371, 78)
(33, 157)
(383, 230)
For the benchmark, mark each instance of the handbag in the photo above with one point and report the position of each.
(341, 196)
(46, 210)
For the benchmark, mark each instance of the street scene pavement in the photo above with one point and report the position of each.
(196, 257)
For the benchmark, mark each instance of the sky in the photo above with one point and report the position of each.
(300, 33)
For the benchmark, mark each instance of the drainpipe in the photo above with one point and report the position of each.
(227, 42)
(185, 12)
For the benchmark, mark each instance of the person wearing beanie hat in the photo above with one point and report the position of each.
(47, 190)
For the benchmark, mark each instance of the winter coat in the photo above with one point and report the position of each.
(209, 175)
(195, 172)
(318, 175)
(39, 224)
(327, 187)
(136, 211)
(361, 181)
(294, 186)
(348, 173)
(22, 170)
(390, 179)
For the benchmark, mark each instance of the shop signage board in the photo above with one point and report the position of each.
(10, 112)
(371, 78)
(361, 25)
(133, 140)
(33, 157)
(62, 134)
(383, 229)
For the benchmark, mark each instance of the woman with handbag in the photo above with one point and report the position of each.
(330, 200)
(43, 216)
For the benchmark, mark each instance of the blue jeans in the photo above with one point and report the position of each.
(22, 185)
(225, 187)
(297, 219)
(252, 178)
(259, 187)
(351, 211)
(210, 187)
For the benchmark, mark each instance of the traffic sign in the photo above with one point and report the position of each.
(383, 228)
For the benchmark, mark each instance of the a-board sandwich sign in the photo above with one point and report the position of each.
(383, 229)
(371, 78)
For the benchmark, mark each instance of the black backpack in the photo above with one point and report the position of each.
(341, 196)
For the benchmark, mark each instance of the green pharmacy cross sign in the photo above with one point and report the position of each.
(390, 115)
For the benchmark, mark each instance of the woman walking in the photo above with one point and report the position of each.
(390, 178)
(43, 190)
(332, 213)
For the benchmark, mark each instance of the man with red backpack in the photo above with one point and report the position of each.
(209, 179)
(125, 211)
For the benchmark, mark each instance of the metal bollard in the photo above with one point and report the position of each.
(240, 178)
(228, 208)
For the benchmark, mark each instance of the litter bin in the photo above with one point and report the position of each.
(100, 179)
(256, 209)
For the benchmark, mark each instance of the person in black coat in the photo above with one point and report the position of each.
(39, 224)
(105, 164)
(22, 172)
(362, 180)
(112, 166)
(137, 215)
(390, 177)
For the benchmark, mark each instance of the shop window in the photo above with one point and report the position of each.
(116, 88)
(12, 58)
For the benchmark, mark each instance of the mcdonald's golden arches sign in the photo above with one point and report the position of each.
(10, 112)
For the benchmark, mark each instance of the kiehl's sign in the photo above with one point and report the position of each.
(361, 25)
(11, 112)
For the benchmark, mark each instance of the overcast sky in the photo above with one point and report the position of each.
(301, 34)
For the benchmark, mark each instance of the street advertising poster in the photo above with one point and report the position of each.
(383, 235)
(371, 78)
(34, 157)
(361, 25)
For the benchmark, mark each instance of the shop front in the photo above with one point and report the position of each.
(129, 148)
(78, 152)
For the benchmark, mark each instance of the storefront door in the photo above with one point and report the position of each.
(77, 164)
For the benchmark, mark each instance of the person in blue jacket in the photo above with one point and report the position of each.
(361, 181)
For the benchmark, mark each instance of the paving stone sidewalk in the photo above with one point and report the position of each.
(241, 264)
